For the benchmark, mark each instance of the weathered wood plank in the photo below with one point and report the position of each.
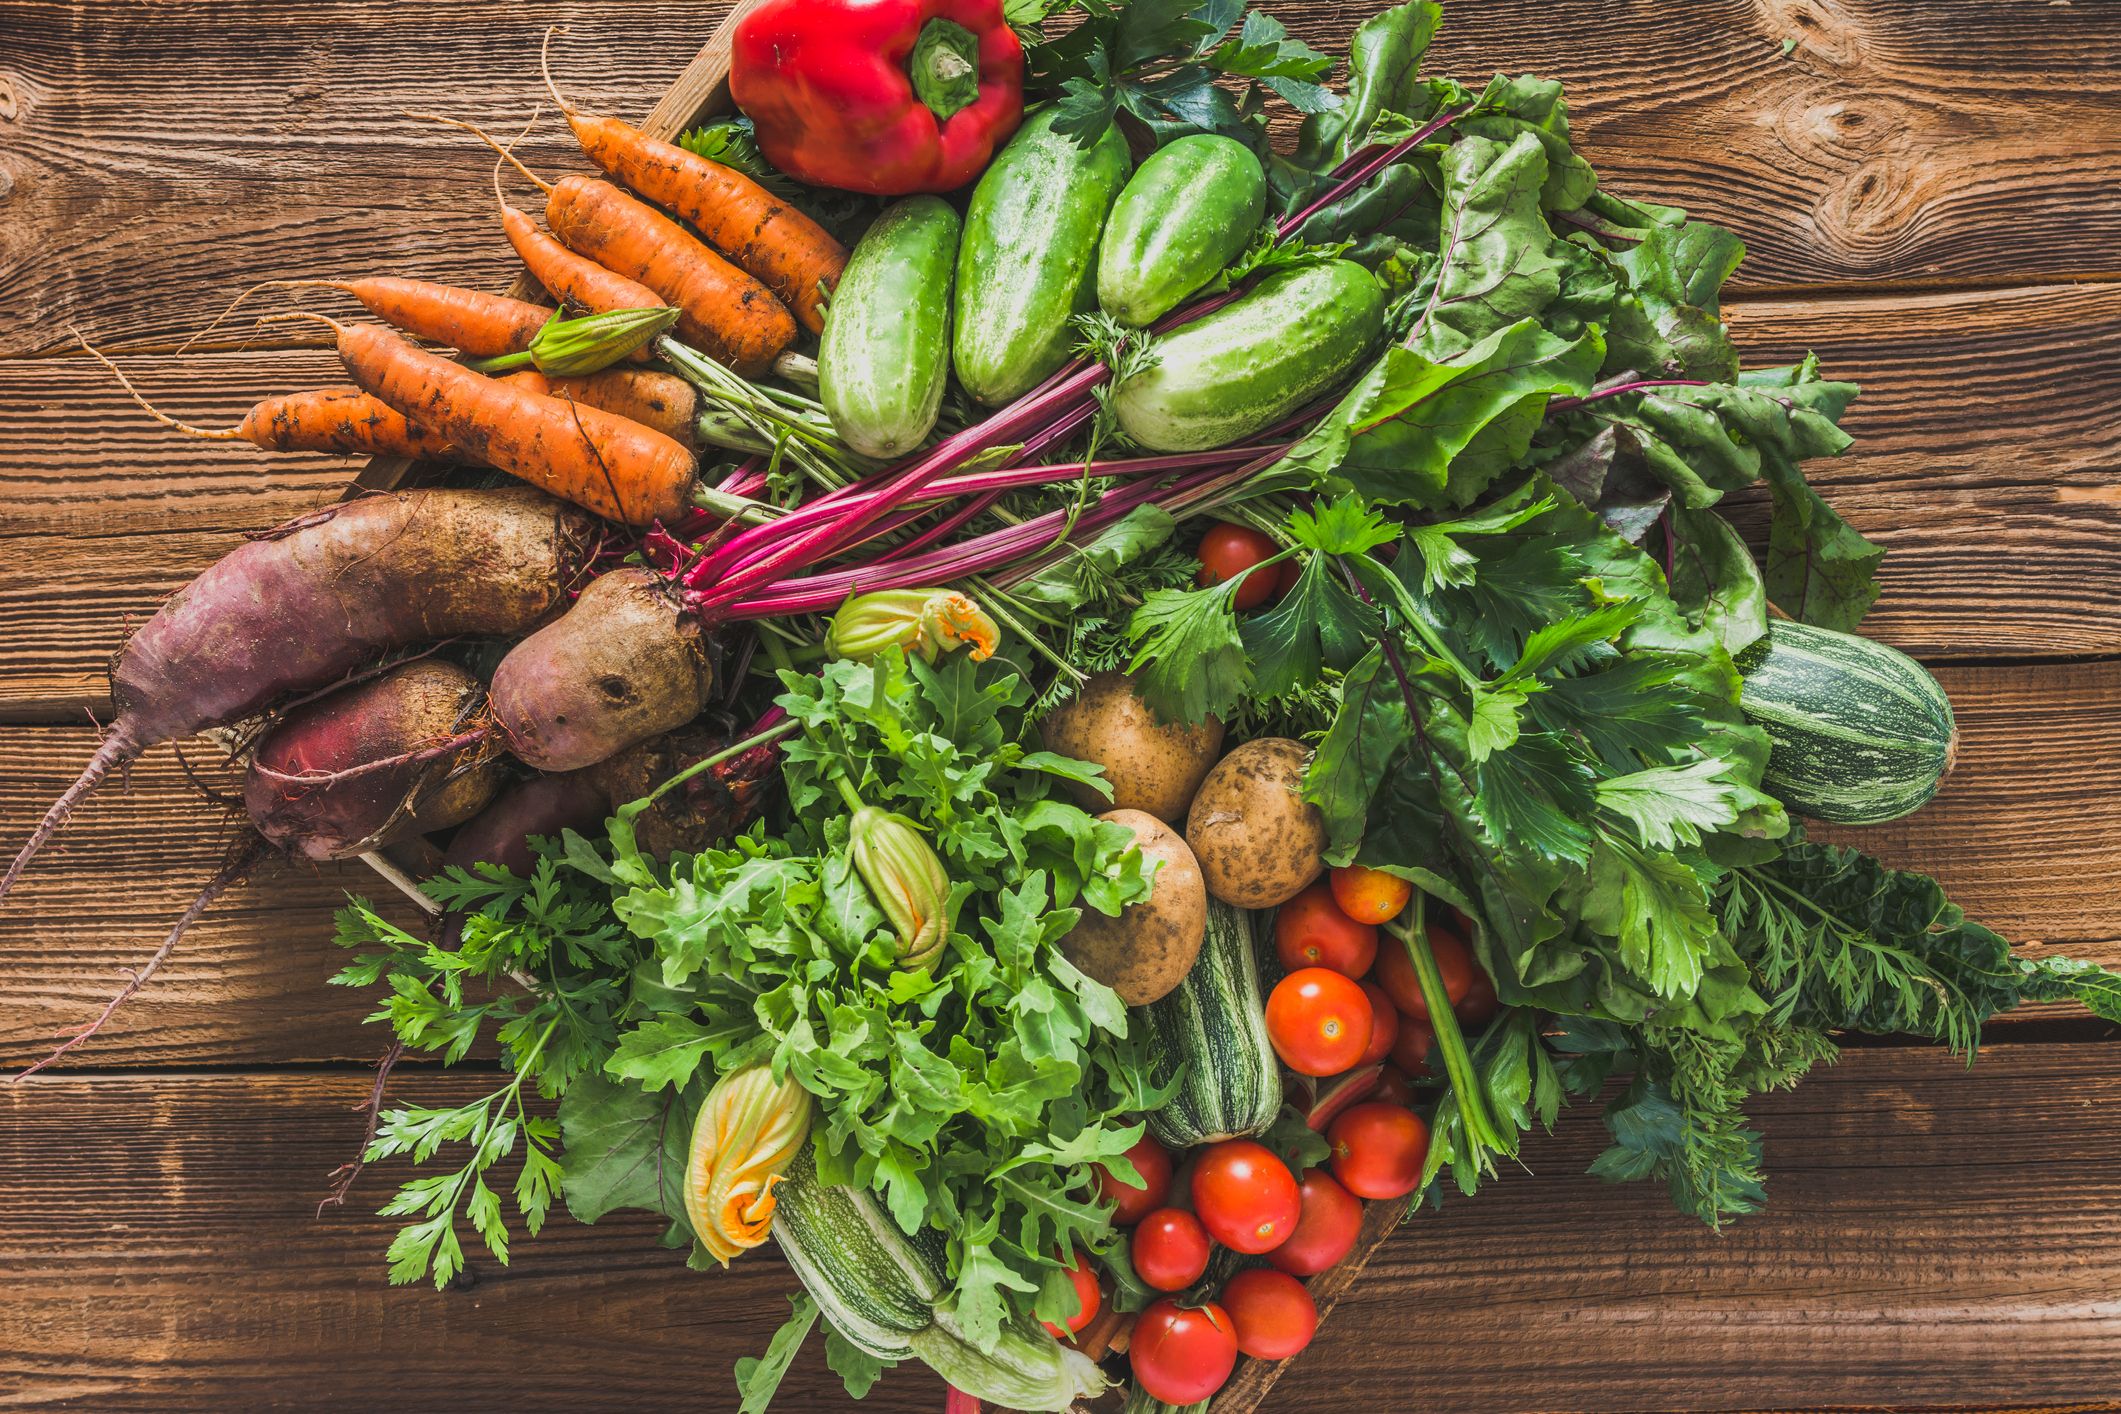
(277, 143)
(1988, 459)
(1911, 1233)
(2023, 836)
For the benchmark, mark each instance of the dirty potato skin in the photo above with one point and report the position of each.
(1152, 766)
(621, 666)
(1150, 947)
(1258, 841)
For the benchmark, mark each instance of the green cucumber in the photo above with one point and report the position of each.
(1027, 264)
(1228, 374)
(885, 353)
(1211, 1033)
(1189, 210)
(1859, 732)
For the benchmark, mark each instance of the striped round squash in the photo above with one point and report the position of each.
(1861, 732)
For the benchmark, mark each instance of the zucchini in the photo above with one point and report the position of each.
(1214, 1025)
(885, 353)
(876, 1285)
(1027, 264)
(1860, 732)
(1189, 210)
(1230, 373)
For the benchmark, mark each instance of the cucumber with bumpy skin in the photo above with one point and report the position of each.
(1230, 373)
(1188, 211)
(886, 349)
(1027, 264)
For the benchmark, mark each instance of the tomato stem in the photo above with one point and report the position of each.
(1457, 1059)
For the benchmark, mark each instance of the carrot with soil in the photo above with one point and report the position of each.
(322, 596)
(789, 252)
(727, 314)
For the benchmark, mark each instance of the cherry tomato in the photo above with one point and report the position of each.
(1227, 551)
(1154, 1165)
(1087, 1295)
(1274, 1316)
(1394, 1088)
(1325, 1230)
(1245, 1196)
(1378, 1150)
(1369, 895)
(1311, 931)
(1395, 973)
(1182, 1355)
(1384, 1025)
(1479, 1005)
(1413, 1046)
(1169, 1249)
(1319, 1021)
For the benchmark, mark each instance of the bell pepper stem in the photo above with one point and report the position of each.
(1450, 1041)
(944, 68)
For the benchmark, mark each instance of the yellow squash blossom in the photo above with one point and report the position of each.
(748, 1130)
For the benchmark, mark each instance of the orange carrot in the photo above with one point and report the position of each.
(469, 321)
(663, 401)
(787, 250)
(615, 467)
(728, 315)
(324, 420)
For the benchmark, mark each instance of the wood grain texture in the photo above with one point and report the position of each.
(2022, 835)
(1921, 1219)
(1988, 459)
(278, 144)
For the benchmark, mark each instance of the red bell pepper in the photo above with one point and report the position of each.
(879, 96)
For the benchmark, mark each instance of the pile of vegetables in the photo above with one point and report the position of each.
(1185, 685)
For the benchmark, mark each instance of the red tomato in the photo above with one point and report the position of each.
(1394, 1088)
(1245, 1196)
(1169, 1249)
(1369, 895)
(1274, 1316)
(1182, 1355)
(1395, 972)
(1087, 1295)
(1319, 1021)
(1325, 1230)
(1479, 1004)
(1384, 1025)
(1154, 1165)
(1227, 551)
(1378, 1150)
(1414, 1045)
(1311, 931)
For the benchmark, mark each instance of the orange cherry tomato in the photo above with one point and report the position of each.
(1319, 1021)
(1395, 973)
(1311, 931)
(1370, 895)
(1226, 552)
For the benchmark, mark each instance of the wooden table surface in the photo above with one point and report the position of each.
(1928, 191)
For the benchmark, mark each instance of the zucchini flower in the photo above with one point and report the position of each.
(748, 1130)
(906, 880)
(569, 348)
(924, 621)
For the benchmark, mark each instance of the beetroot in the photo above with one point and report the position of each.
(543, 806)
(323, 595)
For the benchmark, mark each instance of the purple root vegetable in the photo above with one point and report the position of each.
(394, 756)
(542, 806)
(703, 810)
(623, 665)
(311, 602)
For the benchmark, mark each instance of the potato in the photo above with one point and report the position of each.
(1259, 842)
(1150, 947)
(1152, 766)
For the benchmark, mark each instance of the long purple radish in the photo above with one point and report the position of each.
(626, 663)
(398, 755)
(299, 608)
